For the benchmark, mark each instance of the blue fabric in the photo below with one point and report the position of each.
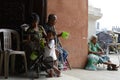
(103, 59)
(63, 54)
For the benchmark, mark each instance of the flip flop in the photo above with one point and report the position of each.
(115, 67)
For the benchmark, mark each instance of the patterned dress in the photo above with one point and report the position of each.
(35, 46)
(94, 59)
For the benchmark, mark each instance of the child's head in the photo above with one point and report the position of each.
(50, 34)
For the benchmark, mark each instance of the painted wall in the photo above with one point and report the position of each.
(73, 18)
(93, 15)
(91, 27)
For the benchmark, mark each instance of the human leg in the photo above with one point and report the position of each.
(106, 60)
(51, 74)
(92, 61)
(111, 66)
(56, 70)
(65, 54)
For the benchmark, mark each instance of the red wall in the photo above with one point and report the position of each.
(73, 18)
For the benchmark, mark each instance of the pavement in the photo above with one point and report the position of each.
(42, 77)
(101, 74)
(94, 75)
(80, 74)
(77, 74)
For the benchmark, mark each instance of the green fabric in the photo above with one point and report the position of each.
(33, 55)
(92, 61)
(42, 43)
(92, 58)
(37, 38)
(35, 35)
(93, 48)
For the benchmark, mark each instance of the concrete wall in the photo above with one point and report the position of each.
(73, 18)
(91, 27)
(93, 15)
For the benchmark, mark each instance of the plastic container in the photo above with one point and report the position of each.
(65, 35)
(33, 55)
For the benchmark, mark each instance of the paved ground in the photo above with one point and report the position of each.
(81, 74)
(94, 75)
(63, 77)
(100, 74)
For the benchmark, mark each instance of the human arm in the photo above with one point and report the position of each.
(100, 48)
(94, 49)
(59, 35)
(43, 31)
(28, 35)
(94, 52)
(50, 44)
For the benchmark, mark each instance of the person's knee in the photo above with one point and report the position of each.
(90, 56)
(93, 58)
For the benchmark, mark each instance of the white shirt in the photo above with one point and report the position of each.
(50, 50)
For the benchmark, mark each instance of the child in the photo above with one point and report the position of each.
(50, 51)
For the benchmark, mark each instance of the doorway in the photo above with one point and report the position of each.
(13, 13)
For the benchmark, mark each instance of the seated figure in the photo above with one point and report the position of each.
(33, 44)
(60, 51)
(96, 55)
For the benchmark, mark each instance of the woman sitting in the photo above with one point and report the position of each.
(96, 55)
(35, 39)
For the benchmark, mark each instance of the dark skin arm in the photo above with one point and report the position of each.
(100, 52)
(47, 42)
(59, 35)
(44, 33)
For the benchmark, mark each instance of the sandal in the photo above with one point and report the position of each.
(115, 67)
(109, 68)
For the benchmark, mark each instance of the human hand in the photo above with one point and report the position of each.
(100, 53)
(60, 34)
(65, 35)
